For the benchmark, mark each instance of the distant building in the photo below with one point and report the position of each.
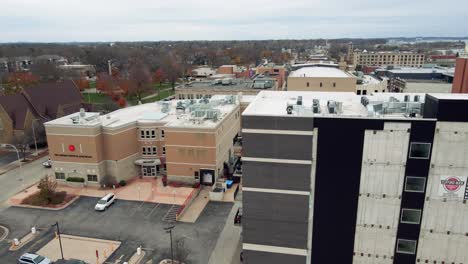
(203, 72)
(432, 73)
(48, 58)
(326, 79)
(42, 102)
(367, 84)
(275, 71)
(77, 71)
(388, 58)
(443, 60)
(225, 85)
(396, 85)
(460, 81)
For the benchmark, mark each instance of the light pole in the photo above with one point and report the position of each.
(169, 230)
(34, 135)
(60, 239)
(5, 145)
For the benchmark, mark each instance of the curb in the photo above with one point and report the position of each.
(5, 233)
(47, 208)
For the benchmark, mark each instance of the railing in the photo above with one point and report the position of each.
(193, 194)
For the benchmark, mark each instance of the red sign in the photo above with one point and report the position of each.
(452, 184)
(71, 147)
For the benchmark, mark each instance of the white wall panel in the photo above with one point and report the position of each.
(373, 245)
(442, 247)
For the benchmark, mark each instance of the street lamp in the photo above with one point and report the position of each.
(169, 230)
(60, 239)
(34, 135)
(5, 145)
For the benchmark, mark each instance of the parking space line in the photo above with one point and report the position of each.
(156, 206)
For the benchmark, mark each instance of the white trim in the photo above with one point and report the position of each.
(278, 132)
(193, 164)
(189, 131)
(264, 190)
(273, 249)
(186, 146)
(290, 161)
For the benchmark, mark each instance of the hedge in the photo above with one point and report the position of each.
(75, 179)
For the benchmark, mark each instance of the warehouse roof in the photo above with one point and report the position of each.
(320, 72)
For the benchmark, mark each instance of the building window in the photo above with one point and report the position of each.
(406, 246)
(308, 84)
(410, 216)
(142, 134)
(334, 84)
(144, 151)
(321, 84)
(364, 92)
(60, 176)
(153, 133)
(92, 178)
(162, 133)
(164, 150)
(154, 151)
(147, 133)
(358, 92)
(420, 150)
(415, 184)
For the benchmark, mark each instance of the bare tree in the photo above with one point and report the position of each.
(22, 142)
(140, 79)
(46, 71)
(47, 188)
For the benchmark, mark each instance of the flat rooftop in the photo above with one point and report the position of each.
(346, 104)
(230, 84)
(169, 113)
(320, 72)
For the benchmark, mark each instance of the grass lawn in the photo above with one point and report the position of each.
(96, 98)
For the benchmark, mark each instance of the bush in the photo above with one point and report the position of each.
(122, 183)
(38, 200)
(75, 179)
(58, 198)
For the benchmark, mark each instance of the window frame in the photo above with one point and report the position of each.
(415, 177)
(62, 173)
(162, 133)
(92, 177)
(406, 252)
(421, 143)
(164, 150)
(414, 210)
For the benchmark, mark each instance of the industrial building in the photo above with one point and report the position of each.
(432, 73)
(188, 140)
(341, 178)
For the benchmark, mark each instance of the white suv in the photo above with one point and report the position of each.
(105, 202)
(33, 259)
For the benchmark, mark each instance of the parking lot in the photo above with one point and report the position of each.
(132, 223)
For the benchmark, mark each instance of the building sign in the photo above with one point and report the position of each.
(453, 187)
(73, 156)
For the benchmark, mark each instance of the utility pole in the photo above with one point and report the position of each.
(169, 230)
(60, 239)
(34, 135)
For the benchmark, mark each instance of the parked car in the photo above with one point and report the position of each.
(47, 164)
(33, 259)
(105, 202)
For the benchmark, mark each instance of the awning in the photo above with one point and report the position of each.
(148, 162)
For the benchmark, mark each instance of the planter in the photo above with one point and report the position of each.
(75, 184)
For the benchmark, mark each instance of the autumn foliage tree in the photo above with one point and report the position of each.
(159, 76)
(18, 80)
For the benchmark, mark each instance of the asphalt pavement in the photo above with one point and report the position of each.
(133, 223)
(7, 157)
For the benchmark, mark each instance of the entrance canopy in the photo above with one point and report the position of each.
(148, 162)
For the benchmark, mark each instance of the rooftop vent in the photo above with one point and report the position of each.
(289, 109)
(416, 98)
(299, 100)
(165, 107)
(82, 112)
(364, 100)
(407, 98)
(316, 106)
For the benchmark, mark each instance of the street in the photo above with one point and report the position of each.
(12, 181)
(8, 157)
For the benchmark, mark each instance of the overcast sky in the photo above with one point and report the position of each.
(136, 20)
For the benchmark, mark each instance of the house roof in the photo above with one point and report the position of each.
(43, 101)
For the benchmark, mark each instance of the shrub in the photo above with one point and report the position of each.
(122, 183)
(75, 179)
(58, 198)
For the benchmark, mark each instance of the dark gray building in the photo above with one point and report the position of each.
(340, 178)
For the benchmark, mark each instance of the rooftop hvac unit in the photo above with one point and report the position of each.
(364, 100)
(180, 106)
(165, 107)
(259, 85)
(316, 106)
(82, 112)
(230, 99)
(299, 100)
(407, 98)
(416, 98)
(212, 114)
(331, 107)
(289, 109)
(227, 81)
(268, 84)
(198, 113)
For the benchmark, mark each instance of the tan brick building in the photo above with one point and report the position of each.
(321, 79)
(187, 140)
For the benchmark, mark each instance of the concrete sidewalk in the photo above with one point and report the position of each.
(192, 213)
(228, 242)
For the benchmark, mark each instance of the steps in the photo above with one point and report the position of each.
(171, 214)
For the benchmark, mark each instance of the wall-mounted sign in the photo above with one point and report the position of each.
(71, 148)
(453, 187)
(73, 156)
